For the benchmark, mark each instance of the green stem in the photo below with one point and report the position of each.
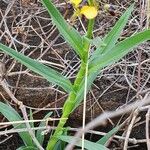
(59, 130)
(90, 29)
(79, 76)
(70, 102)
(67, 109)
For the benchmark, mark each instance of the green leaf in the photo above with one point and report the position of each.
(87, 144)
(98, 41)
(106, 137)
(12, 115)
(50, 74)
(112, 37)
(117, 52)
(60, 145)
(27, 148)
(31, 118)
(69, 33)
(120, 50)
(39, 135)
(95, 42)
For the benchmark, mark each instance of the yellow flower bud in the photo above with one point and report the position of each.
(75, 2)
(90, 12)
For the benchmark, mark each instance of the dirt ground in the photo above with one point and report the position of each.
(26, 27)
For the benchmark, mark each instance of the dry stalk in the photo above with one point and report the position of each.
(131, 140)
(135, 113)
(7, 138)
(147, 129)
(148, 14)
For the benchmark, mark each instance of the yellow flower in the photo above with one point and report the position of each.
(75, 2)
(90, 12)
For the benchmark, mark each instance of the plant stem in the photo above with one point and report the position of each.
(80, 75)
(69, 105)
(67, 109)
(90, 29)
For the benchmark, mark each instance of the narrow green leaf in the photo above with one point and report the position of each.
(50, 74)
(117, 52)
(31, 118)
(39, 135)
(106, 137)
(60, 145)
(112, 37)
(69, 33)
(120, 50)
(12, 115)
(88, 144)
(98, 41)
(27, 148)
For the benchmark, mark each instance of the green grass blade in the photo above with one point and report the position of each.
(12, 115)
(112, 37)
(106, 137)
(87, 144)
(27, 148)
(50, 74)
(39, 135)
(117, 52)
(68, 32)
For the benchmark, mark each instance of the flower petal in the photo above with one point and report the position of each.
(90, 12)
(75, 2)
